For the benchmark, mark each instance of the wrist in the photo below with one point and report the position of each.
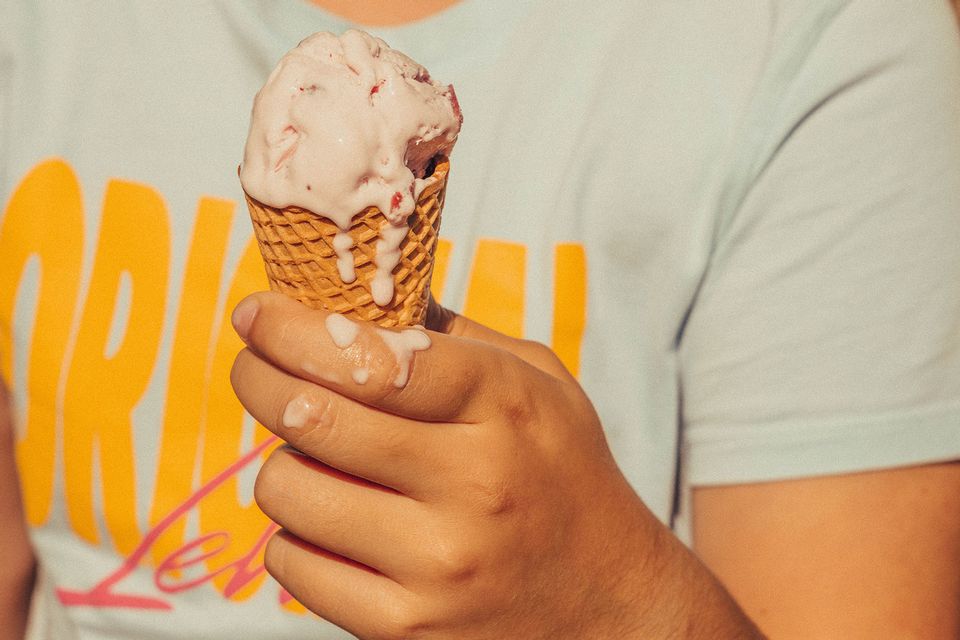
(669, 593)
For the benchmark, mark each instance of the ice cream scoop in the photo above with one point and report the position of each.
(344, 125)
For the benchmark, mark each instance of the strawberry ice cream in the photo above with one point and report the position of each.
(347, 123)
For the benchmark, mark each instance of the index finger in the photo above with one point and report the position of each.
(415, 373)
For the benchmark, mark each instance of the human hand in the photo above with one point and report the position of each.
(476, 499)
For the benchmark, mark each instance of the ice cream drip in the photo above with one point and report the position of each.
(402, 344)
(304, 410)
(342, 330)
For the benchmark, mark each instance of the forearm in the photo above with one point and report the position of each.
(703, 609)
(683, 600)
(17, 562)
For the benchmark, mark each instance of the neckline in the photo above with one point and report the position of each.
(314, 4)
(456, 13)
(443, 37)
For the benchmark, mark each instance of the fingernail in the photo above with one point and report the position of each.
(243, 316)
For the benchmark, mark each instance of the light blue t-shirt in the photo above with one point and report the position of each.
(736, 222)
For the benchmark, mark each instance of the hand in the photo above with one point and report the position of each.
(475, 499)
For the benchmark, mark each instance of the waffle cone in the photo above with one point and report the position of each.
(300, 260)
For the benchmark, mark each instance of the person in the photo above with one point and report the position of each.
(735, 226)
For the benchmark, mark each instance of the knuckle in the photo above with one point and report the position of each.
(543, 358)
(492, 483)
(454, 563)
(537, 350)
(381, 387)
(494, 498)
(381, 371)
(326, 434)
(519, 406)
(421, 380)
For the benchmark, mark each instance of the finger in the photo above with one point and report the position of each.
(348, 516)
(351, 596)
(443, 320)
(439, 379)
(358, 439)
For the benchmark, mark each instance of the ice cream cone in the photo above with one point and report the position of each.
(298, 252)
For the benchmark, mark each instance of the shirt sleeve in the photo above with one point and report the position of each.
(825, 337)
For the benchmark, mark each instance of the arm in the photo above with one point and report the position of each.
(478, 499)
(17, 562)
(532, 508)
(824, 344)
(866, 555)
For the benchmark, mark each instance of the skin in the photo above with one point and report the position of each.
(869, 555)
(478, 501)
(481, 501)
(18, 564)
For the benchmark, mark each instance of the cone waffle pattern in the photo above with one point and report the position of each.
(297, 249)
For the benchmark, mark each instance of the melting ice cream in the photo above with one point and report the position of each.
(345, 123)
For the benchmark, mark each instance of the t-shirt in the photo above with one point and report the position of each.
(736, 222)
